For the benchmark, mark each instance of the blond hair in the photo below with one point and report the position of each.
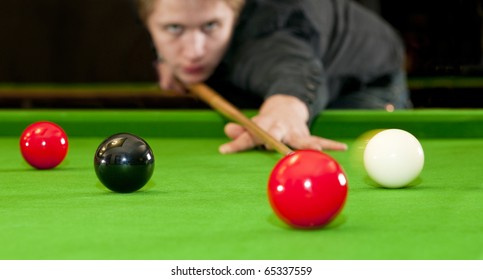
(146, 7)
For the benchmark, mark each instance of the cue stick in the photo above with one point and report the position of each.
(224, 107)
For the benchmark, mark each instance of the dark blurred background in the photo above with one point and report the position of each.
(72, 41)
(102, 41)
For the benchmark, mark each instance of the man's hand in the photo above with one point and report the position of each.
(285, 118)
(167, 79)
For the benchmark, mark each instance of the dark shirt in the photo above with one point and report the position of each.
(305, 48)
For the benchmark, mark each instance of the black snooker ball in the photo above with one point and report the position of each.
(124, 163)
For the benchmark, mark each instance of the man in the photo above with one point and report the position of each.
(299, 57)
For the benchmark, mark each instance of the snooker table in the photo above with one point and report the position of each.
(201, 205)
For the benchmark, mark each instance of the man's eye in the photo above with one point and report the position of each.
(210, 26)
(174, 28)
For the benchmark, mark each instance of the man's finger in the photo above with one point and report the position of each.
(241, 143)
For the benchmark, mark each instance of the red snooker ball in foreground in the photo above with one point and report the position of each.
(44, 145)
(307, 189)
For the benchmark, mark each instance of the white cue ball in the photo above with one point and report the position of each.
(393, 158)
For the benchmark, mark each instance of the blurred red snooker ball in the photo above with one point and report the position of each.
(307, 189)
(44, 145)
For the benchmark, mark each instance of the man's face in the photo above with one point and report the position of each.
(191, 36)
